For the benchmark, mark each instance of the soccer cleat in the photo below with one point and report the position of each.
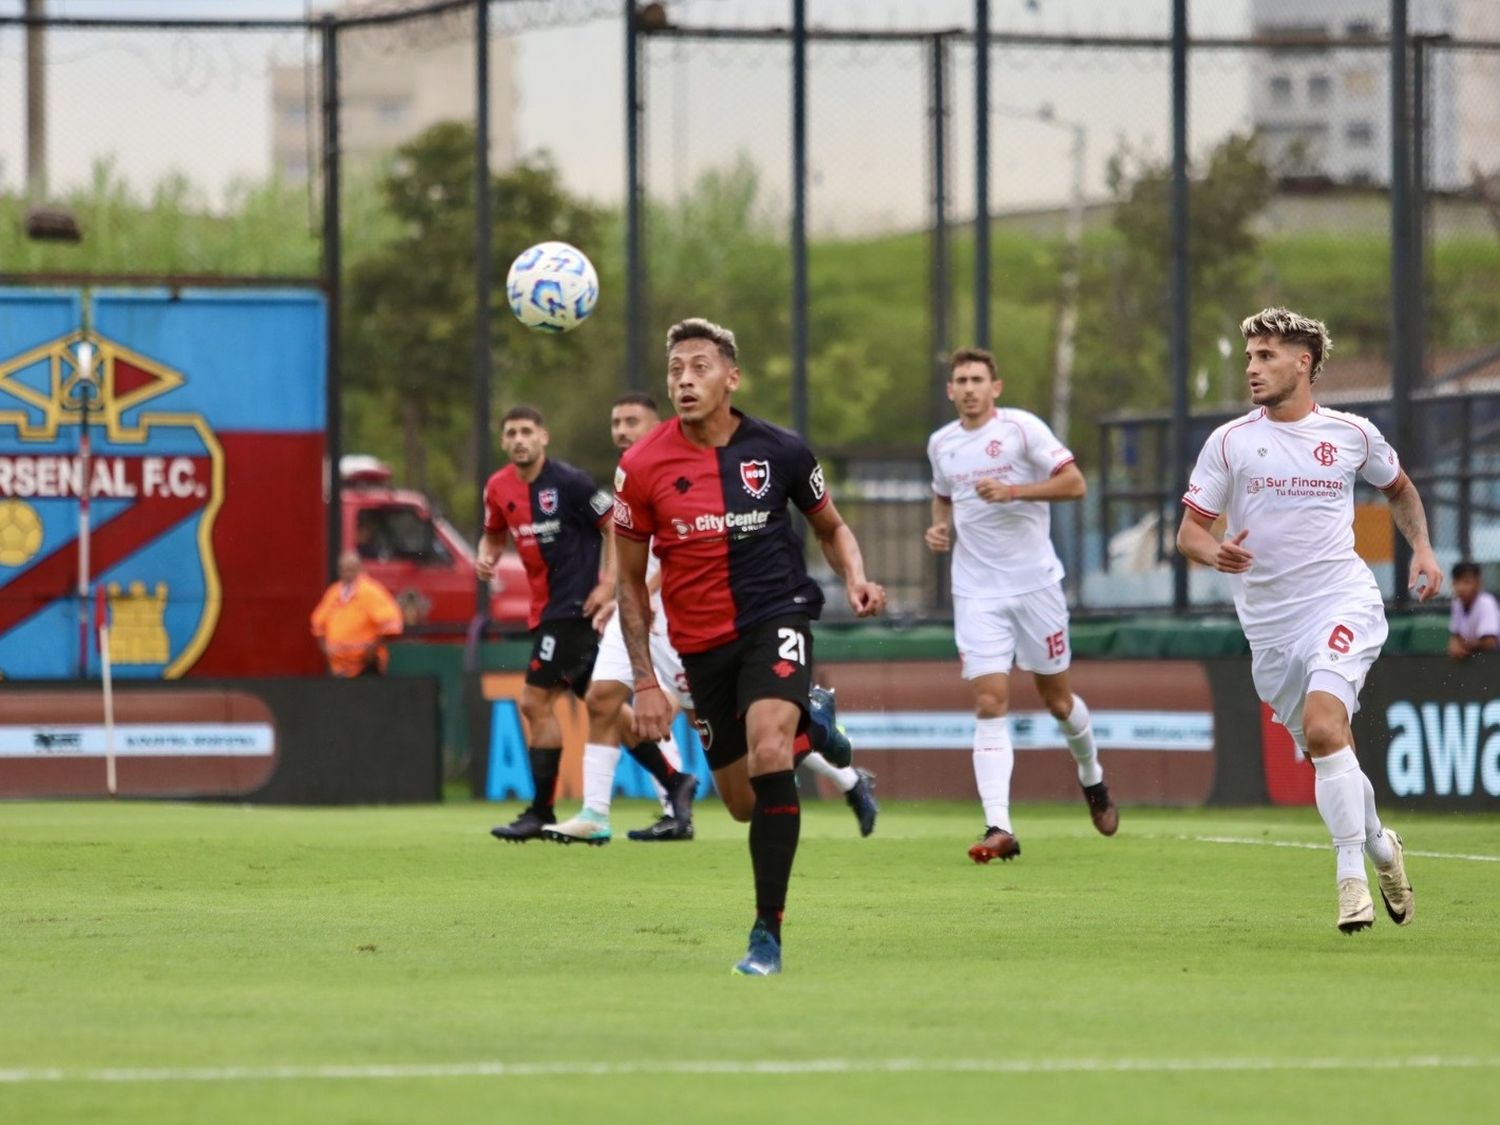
(1395, 890)
(1356, 907)
(763, 958)
(861, 798)
(1102, 810)
(822, 713)
(527, 826)
(680, 796)
(586, 828)
(997, 844)
(664, 829)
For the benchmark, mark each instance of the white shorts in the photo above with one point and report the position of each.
(613, 662)
(1029, 630)
(1333, 655)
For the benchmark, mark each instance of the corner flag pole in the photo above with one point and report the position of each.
(101, 617)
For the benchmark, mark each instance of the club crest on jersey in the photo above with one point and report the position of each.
(756, 477)
(1326, 453)
(993, 449)
(546, 500)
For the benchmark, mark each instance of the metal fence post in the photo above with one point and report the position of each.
(799, 216)
(484, 269)
(635, 284)
(1181, 327)
(332, 287)
(982, 173)
(1401, 260)
(942, 339)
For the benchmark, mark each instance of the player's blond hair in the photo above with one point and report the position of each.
(1292, 328)
(697, 328)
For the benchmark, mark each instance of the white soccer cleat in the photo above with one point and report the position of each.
(1395, 888)
(585, 828)
(1356, 907)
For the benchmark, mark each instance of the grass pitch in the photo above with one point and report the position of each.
(194, 963)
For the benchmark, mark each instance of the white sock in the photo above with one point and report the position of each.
(1340, 794)
(994, 758)
(599, 762)
(845, 778)
(1079, 733)
(1377, 843)
(673, 755)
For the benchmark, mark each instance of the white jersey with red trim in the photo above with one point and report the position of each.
(1000, 549)
(1291, 484)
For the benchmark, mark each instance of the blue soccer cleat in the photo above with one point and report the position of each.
(824, 732)
(862, 800)
(763, 958)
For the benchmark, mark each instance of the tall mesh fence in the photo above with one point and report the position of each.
(198, 151)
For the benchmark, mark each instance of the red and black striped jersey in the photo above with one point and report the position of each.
(557, 523)
(730, 557)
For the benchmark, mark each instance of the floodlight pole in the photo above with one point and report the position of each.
(635, 274)
(1401, 263)
(36, 103)
(982, 173)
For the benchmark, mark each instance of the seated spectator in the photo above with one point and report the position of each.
(354, 619)
(1474, 624)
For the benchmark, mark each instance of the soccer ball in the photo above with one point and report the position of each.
(20, 532)
(552, 287)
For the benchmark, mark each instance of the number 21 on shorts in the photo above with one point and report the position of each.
(793, 645)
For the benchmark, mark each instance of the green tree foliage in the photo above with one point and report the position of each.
(410, 309)
(1125, 314)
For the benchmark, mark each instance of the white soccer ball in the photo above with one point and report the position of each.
(552, 287)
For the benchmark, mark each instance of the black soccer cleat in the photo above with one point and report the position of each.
(1102, 810)
(861, 798)
(664, 829)
(680, 796)
(527, 826)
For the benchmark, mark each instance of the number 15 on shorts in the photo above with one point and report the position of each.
(1057, 644)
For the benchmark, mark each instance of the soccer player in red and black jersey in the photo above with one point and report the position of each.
(560, 520)
(712, 486)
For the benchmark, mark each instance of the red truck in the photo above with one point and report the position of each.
(420, 557)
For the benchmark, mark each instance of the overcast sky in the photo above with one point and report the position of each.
(199, 102)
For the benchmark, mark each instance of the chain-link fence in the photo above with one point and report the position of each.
(197, 150)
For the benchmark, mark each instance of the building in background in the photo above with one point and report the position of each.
(395, 82)
(1325, 112)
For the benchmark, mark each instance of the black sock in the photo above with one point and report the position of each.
(774, 827)
(545, 762)
(653, 761)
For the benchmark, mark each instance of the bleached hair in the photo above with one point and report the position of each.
(696, 328)
(1292, 328)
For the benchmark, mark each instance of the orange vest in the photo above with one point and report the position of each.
(350, 625)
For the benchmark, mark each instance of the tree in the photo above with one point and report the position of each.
(1126, 319)
(409, 320)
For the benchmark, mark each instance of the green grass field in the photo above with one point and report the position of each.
(202, 963)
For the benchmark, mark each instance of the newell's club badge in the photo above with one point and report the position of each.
(756, 477)
(546, 500)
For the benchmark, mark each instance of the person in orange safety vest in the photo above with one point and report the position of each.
(353, 620)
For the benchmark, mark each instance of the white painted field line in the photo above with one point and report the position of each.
(497, 1069)
(1321, 847)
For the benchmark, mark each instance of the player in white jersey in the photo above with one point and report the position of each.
(994, 473)
(633, 416)
(1282, 478)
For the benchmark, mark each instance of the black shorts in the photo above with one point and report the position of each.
(562, 654)
(772, 660)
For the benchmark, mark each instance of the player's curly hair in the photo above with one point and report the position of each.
(1292, 328)
(697, 328)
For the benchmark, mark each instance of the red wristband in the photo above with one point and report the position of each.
(647, 685)
(1012, 492)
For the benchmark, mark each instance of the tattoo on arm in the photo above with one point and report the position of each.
(1410, 516)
